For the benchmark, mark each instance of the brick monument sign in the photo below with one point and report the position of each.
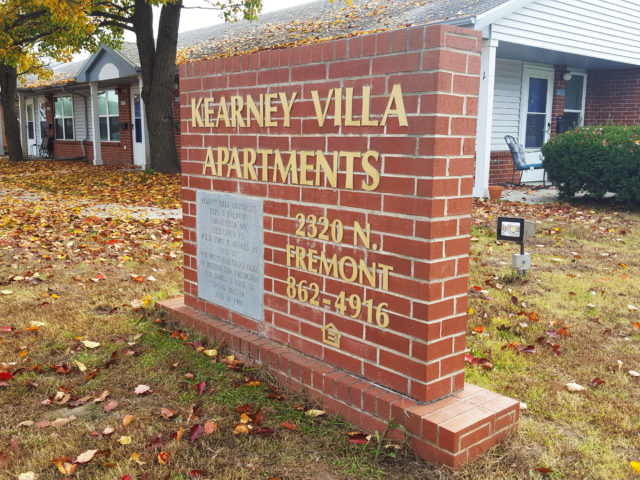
(327, 200)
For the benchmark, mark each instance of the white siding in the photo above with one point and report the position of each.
(506, 101)
(606, 29)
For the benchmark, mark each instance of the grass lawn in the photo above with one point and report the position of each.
(79, 334)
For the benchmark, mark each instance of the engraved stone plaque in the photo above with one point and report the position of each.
(230, 252)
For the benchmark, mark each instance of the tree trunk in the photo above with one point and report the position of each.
(158, 63)
(8, 86)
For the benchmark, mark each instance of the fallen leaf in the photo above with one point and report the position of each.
(635, 466)
(633, 373)
(110, 405)
(142, 389)
(86, 456)
(27, 476)
(108, 431)
(210, 427)
(574, 387)
(127, 419)
(124, 440)
(314, 413)
(289, 426)
(166, 413)
(25, 423)
(240, 429)
(163, 457)
(102, 397)
(358, 438)
(66, 468)
(597, 381)
(136, 458)
(61, 421)
(195, 432)
(80, 365)
(201, 387)
(90, 344)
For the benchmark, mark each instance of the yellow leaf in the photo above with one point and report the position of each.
(635, 466)
(136, 458)
(124, 440)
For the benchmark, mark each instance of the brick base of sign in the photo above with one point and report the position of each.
(452, 431)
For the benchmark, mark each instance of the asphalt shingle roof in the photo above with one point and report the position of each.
(307, 23)
(312, 22)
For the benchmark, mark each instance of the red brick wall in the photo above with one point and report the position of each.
(419, 214)
(613, 95)
(501, 169)
(558, 101)
(176, 116)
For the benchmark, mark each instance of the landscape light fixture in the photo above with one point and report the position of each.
(518, 230)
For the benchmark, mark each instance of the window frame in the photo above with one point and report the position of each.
(583, 74)
(108, 116)
(63, 117)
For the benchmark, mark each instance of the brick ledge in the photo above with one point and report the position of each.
(453, 431)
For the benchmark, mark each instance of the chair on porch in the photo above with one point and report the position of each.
(520, 161)
(45, 149)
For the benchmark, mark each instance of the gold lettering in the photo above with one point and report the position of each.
(269, 109)
(358, 233)
(371, 171)
(264, 156)
(330, 171)
(385, 276)
(337, 107)
(364, 271)
(366, 107)
(196, 119)
(258, 115)
(223, 158)
(321, 114)
(222, 113)
(326, 268)
(350, 156)
(208, 112)
(305, 168)
(290, 254)
(399, 110)
(348, 110)
(234, 164)
(284, 172)
(300, 254)
(237, 104)
(286, 107)
(208, 162)
(354, 269)
(249, 160)
(312, 260)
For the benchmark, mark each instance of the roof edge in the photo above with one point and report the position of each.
(491, 16)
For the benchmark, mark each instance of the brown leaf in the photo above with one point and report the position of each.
(142, 390)
(110, 405)
(240, 429)
(195, 432)
(166, 413)
(127, 419)
(289, 426)
(210, 427)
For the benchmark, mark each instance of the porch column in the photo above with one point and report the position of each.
(485, 117)
(143, 121)
(95, 123)
(22, 118)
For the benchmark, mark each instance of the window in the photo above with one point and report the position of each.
(63, 117)
(42, 112)
(30, 130)
(109, 116)
(574, 101)
(537, 112)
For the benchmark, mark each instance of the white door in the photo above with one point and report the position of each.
(31, 130)
(137, 120)
(535, 116)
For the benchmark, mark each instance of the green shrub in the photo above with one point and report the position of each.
(596, 160)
